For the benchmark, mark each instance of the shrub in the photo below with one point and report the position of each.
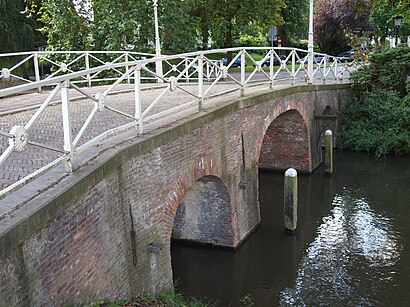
(378, 120)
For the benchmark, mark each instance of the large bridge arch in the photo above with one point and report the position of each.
(204, 215)
(286, 143)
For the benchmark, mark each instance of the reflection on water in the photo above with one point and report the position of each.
(351, 247)
(351, 259)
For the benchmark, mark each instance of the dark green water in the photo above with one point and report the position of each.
(352, 246)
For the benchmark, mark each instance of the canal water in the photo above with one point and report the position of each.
(352, 246)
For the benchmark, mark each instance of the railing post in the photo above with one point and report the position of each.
(293, 66)
(37, 70)
(138, 102)
(271, 62)
(127, 67)
(68, 139)
(87, 66)
(310, 43)
(187, 71)
(243, 72)
(335, 69)
(200, 82)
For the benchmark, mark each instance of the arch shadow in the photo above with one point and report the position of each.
(286, 143)
(204, 214)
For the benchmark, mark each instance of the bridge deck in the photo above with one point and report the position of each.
(48, 129)
(17, 110)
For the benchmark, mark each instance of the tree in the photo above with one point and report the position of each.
(178, 27)
(115, 25)
(382, 15)
(204, 15)
(295, 21)
(17, 32)
(122, 25)
(226, 20)
(335, 19)
(329, 33)
(233, 15)
(129, 25)
(65, 23)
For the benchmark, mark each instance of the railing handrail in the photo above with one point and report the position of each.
(205, 76)
(74, 52)
(51, 81)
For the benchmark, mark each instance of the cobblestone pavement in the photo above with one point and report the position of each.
(48, 128)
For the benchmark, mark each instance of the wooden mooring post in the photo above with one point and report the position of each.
(328, 152)
(291, 200)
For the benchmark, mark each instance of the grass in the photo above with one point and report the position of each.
(176, 299)
(167, 298)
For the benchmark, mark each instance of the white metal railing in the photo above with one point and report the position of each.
(34, 66)
(60, 127)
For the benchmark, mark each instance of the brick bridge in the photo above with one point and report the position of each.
(105, 231)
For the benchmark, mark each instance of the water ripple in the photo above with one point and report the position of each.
(351, 258)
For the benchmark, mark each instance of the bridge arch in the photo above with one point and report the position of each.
(204, 214)
(286, 143)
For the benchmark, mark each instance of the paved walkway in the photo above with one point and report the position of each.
(48, 128)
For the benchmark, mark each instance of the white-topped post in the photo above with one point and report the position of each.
(328, 152)
(291, 200)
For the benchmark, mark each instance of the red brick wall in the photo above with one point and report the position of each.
(286, 144)
(83, 250)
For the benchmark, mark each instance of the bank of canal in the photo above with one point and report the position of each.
(352, 245)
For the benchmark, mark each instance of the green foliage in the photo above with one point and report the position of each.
(176, 299)
(17, 32)
(382, 18)
(167, 298)
(179, 28)
(122, 25)
(388, 69)
(378, 120)
(335, 20)
(66, 25)
(227, 21)
(252, 35)
(295, 21)
(185, 25)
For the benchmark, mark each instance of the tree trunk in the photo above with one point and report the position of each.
(205, 35)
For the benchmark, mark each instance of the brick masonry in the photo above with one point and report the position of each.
(204, 214)
(76, 244)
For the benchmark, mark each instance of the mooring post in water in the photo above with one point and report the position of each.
(328, 152)
(291, 200)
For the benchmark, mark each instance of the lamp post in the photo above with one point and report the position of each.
(397, 23)
(310, 43)
(158, 64)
